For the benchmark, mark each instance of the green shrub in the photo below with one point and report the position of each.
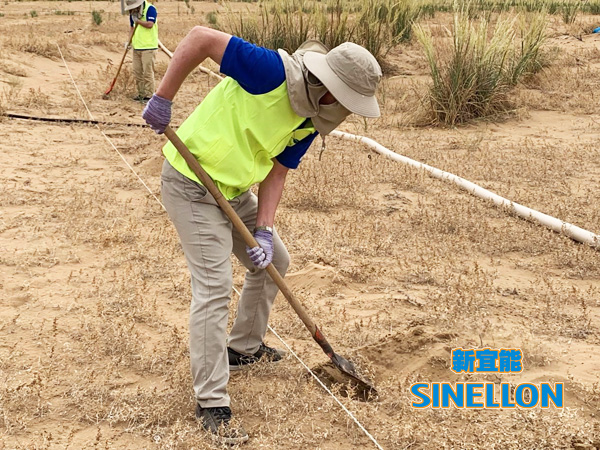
(569, 10)
(592, 7)
(333, 26)
(377, 25)
(33, 13)
(282, 26)
(473, 77)
(97, 17)
(212, 18)
(404, 14)
(529, 58)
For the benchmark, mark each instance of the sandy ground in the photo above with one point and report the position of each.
(397, 268)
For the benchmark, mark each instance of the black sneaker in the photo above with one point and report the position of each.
(217, 422)
(238, 361)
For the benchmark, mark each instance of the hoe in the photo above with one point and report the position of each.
(112, 85)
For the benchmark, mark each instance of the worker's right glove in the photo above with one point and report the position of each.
(262, 255)
(157, 113)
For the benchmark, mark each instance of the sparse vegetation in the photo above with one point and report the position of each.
(395, 267)
(473, 76)
(212, 18)
(569, 10)
(97, 17)
(378, 25)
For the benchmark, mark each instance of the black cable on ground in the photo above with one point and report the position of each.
(67, 120)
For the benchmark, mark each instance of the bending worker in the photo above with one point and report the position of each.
(145, 43)
(251, 128)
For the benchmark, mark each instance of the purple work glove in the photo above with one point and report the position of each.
(261, 256)
(157, 113)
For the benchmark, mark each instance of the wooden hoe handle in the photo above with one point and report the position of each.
(248, 237)
(112, 85)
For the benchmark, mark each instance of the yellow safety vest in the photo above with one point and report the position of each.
(234, 135)
(145, 38)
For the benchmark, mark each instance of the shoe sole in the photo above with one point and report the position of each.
(247, 366)
(222, 440)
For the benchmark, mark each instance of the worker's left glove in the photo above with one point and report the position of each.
(262, 255)
(157, 113)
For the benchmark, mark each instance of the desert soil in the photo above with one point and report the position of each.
(396, 267)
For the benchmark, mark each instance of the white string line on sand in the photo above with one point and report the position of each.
(163, 206)
(321, 383)
(101, 131)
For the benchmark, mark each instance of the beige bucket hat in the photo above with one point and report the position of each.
(128, 5)
(351, 73)
(313, 45)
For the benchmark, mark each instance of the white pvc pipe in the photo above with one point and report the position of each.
(169, 53)
(574, 232)
(570, 230)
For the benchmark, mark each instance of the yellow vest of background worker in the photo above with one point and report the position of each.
(145, 38)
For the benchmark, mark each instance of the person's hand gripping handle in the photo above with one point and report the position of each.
(157, 113)
(262, 255)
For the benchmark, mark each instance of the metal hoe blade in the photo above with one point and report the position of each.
(347, 371)
(340, 370)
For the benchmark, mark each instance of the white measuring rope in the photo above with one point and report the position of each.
(163, 206)
(101, 131)
(321, 383)
(573, 231)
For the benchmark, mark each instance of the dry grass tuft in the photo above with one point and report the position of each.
(473, 75)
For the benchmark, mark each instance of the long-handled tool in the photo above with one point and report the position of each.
(344, 368)
(168, 52)
(112, 85)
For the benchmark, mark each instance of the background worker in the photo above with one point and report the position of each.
(144, 43)
(251, 128)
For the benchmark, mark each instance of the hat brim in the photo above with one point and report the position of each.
(360, 104)
(135, 5)
(312, 45)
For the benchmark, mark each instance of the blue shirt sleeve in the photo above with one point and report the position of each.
(151, 14)
(292, 155)
(257, 69)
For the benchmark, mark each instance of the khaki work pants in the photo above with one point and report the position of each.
(143, 71)
(208, 239)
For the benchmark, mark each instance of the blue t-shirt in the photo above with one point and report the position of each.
(151, 15)
(259, 70)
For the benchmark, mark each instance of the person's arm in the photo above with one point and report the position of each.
(151, 16)
(257, 70)
(144, 23)
(199, 44)
(269, 194)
